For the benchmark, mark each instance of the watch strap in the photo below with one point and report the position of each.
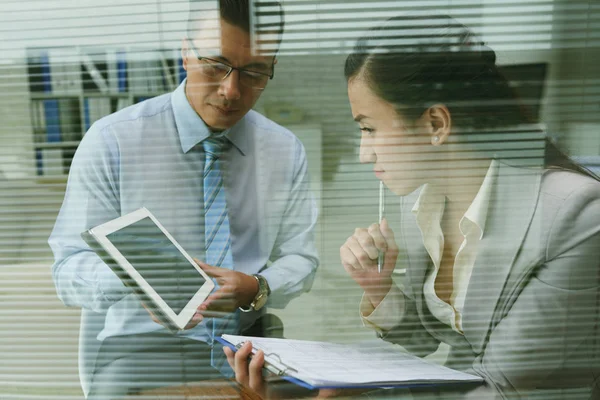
(263, 291)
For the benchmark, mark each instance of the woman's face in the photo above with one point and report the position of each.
(387, 142)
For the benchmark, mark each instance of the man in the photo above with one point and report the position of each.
(154, 154)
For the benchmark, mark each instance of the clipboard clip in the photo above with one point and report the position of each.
(270, 365)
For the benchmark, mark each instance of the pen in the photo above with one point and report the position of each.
(381, 256)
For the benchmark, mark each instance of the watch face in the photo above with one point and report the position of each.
(263, 293)
(260, 302)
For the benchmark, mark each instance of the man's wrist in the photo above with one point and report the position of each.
(261, 295)
(253, 291)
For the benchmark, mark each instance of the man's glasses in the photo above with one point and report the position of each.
(219, 70)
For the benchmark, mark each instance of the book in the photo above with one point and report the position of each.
(71, 68)
(122, 71)
(116, 66)
(324, 365)
(87, 120)
(112, 68)
(49, 160)
(65, 70)
(95, 72)
(56, 70)
(35, 70)
(45, 70)
(123, 103)
(169, 77)
(95, 108)
(70, 126)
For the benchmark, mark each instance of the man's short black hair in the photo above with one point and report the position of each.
(237, 13)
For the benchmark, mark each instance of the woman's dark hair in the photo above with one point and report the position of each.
(414, 62)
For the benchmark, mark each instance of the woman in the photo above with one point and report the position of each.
(501, 245)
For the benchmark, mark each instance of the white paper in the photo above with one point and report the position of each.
(331, 364)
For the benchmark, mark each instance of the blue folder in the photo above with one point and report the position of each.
(283, 374)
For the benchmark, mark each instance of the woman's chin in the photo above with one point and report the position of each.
(403, 188)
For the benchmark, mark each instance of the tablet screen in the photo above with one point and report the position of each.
(159, 262)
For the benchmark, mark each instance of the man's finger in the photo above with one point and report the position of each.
(216, 314)
(213, 272)
(219, 299)
(196, 319)
(217, 305)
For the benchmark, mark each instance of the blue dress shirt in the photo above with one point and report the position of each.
(150, 155)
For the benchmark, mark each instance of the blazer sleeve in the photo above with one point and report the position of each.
(410, 332)
(555, 317)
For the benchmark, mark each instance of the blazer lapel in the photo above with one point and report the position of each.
(417, 259)
(512, 205)
(418, 263)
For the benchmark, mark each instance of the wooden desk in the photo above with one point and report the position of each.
(231, 390)
(213, 389)
(223, 389)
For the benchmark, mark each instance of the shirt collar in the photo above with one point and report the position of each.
(431, 202)
(478, 210)
(192, 129)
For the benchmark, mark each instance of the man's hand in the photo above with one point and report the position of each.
(196, 319)
(236, 289)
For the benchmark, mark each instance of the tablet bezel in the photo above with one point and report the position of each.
(101, 232)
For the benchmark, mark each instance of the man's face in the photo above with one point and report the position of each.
(222, 103)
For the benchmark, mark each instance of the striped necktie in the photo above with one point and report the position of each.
(216, 220)
(217, 235)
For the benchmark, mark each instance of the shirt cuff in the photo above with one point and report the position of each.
(388, 313)
(285, 284)
(111, 287)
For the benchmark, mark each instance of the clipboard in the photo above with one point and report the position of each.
(278, 367)
(278, 370)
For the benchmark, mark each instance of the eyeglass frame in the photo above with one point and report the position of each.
(231, 67)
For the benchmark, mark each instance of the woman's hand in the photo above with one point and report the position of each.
(359, 257)
(248, 374)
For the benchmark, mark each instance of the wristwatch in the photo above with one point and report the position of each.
(261, 297)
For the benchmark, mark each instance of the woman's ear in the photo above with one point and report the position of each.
(438, 123)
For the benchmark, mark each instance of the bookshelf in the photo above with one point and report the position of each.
(72, 87)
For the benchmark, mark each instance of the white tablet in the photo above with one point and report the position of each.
(149, 260)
